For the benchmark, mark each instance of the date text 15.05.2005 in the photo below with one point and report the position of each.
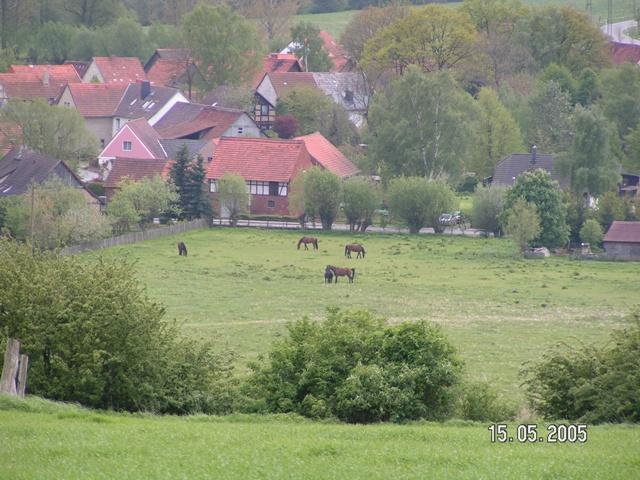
(528, 433)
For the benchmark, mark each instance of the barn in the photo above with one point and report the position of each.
(622, 241)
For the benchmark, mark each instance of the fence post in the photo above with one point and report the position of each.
(22, 375)
(10, 368)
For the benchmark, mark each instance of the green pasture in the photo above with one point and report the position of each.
(240, 287)
(43, 440)
(335, 22)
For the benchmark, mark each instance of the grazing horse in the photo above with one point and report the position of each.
(354, 247)
(350, 273)
(328, 275)
(306, 240)
(182, 249)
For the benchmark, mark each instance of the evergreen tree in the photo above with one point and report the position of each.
(178, 175)
(195, 199)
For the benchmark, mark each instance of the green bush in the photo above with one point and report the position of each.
(354, 367)
(93, 337)
(479, 402)
(591, 233)
(587, 383)
(488, 204)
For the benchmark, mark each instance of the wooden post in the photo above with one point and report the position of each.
(22, 375)
(10, 367)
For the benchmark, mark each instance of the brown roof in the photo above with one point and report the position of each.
(120, 69)
(624, 53)
(506, 171)
(277, 62)
(148, 136)
(135, 169)
(324, 153)
(257, 159)
(166, 72)
(285, 82)
(623, 232)
(188, 119)
(96, 99)
(10, 136)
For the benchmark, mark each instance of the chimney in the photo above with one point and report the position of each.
(534, 152)
(45, 78)
(145, 89)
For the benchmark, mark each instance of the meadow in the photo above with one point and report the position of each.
(335, 22)
(44, 440)
(240, 287)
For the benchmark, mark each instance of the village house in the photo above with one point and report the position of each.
(346, 89)
(21, 167)
(507, 170)
(96, 102)
(205, 122)
(326, 155)
(621, 53)
(139, 140)
(267, 166)
(121, 70)
(622, 241)
(174, 67)
(336, 53)
(30, 82)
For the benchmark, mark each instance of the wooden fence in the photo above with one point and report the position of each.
(135, 237)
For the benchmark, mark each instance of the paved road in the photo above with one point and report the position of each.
(616, 32)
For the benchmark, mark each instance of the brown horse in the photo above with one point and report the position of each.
(182, 249)
(350, 273)
(328, 275)
(354, 247)
(306, 240)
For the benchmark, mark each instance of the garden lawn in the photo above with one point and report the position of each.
(240, 287)
(72, 443)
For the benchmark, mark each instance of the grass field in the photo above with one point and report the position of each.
(336, 22)
(240, 287)
(42, 440)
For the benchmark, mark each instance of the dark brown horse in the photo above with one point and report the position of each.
(328, 275)
(350, 273)
(306, 240)
(354, 247)
(182, 249)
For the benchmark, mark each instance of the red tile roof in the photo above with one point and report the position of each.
(166, 72)
(120, 69)
(336, 53)
(96, 99)
(57, 73)
(624, 53)
(623, 232)
(257, 159)
(185, 119)
(277, 62)
(10, 136)
(285, 82)
(324, 153)
(135, 169)
(36, 84)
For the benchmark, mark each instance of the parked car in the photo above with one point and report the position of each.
(449, 218)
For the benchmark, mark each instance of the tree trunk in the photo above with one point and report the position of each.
(22, 375)
(10, 367)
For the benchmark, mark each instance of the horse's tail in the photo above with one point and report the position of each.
(315, 243)
(363, 252)
(353, 273)
(346, 250)
(299, 242)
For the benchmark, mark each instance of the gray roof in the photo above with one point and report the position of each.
(338, 86)
(21, 166)
(173, 146)
(506, 171)
(133, 105)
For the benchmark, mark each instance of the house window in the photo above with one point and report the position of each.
(213, 186)
(102, 142)
(271, 204)
(273, 189)
(283, 189)
(117, 124)
(264, 110)
(240, 130)
(258, 188)
(67, 104)
(126, 146)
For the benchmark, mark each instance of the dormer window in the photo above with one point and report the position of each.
(126, 146)
(348, 96)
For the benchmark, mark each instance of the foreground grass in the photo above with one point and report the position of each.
(42, 440)
(239, 287)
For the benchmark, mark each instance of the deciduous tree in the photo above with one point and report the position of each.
(322, 194)
(310, 47)
(522, 223)
(233, 196)
(488, 206)
(360, 197)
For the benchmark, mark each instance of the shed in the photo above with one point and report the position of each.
(622, 240)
